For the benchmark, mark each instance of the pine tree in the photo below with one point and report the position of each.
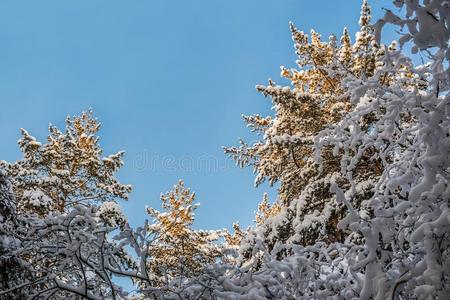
(59, 183)
(178, 250)
(305, 210)
(66, 171)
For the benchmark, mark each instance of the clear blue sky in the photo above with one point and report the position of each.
(167, 79)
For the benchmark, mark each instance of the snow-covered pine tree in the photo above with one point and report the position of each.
(178, 250)
(66, 171)
(305, 210)
(55, 241)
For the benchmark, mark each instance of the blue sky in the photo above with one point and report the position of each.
(169, 81)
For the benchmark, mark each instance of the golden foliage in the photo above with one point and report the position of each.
(68, 170)
(235, 238)
(178, 249)
(317, 98)
(266, 210)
